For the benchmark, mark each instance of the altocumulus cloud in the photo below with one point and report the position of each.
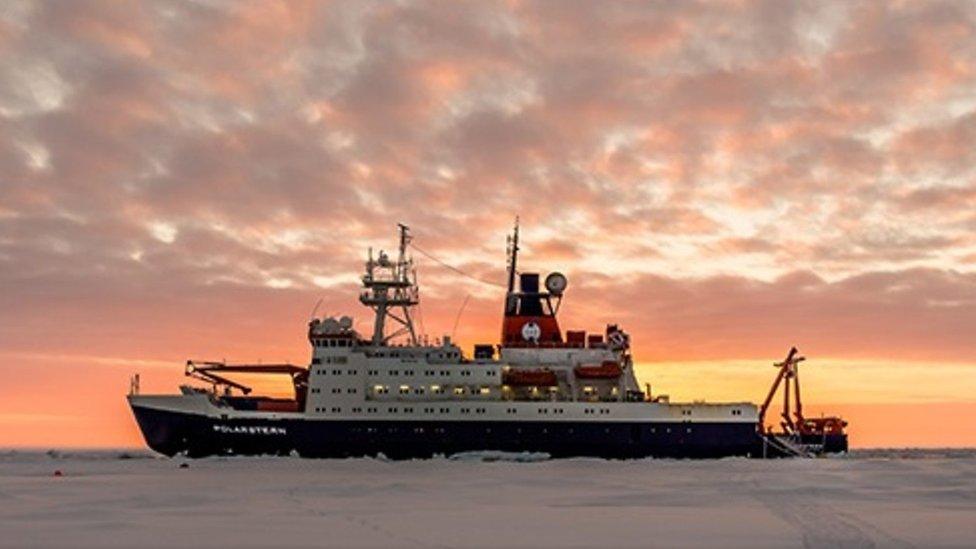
(693, 166)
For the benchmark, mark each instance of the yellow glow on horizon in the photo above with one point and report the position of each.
(832, 380)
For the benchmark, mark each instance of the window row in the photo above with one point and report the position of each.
(332, 343)
(331, 360)
(466, 410)
(487, 430)
(335, 390)
(334, 409)
(433, 389)
(430, 373)
(325, 372)
(397, 354)
(546, 411)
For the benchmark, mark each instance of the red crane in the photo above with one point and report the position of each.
(795, 423)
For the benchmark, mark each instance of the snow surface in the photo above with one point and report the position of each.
(134, 499)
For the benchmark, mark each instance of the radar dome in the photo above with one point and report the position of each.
(556, 283)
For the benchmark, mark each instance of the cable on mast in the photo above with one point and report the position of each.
(457, 318)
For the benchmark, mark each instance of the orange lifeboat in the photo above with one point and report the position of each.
(608, 370)
(529, 378)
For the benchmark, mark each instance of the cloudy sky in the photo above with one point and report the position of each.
(187, 179)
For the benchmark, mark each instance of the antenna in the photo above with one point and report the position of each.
(315, 309)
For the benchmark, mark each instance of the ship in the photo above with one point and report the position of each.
(396, 393)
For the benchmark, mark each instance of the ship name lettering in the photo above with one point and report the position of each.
(249, 429)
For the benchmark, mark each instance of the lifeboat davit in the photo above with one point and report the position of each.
(529, 378)
(608, 370)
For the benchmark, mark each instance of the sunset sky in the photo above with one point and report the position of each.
(186, 179)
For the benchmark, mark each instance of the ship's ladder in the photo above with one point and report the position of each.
(789, 447)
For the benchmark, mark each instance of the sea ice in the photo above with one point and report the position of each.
(134, 499)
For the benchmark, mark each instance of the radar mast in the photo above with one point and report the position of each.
(513, 249)
(391, 290)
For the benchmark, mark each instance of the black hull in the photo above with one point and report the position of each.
(172, 433)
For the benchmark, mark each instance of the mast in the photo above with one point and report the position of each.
(513, 256)
(391, 291)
